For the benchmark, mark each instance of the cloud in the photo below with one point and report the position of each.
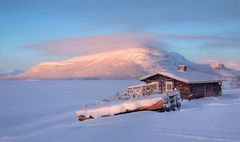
(222, 44)
(197, 37)
(101, 43)
(94, 44)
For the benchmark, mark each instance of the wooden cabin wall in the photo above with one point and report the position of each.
(205, 90)
(196, 91)
(184, 89)
(188, 91)
(181, 86)
(217, 89)
(161, 80)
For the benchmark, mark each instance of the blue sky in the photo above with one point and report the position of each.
(198, 29)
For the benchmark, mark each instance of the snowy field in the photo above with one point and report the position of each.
(42, 111)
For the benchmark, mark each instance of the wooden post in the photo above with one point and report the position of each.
(205, 90)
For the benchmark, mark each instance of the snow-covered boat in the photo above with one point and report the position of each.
(138, 98)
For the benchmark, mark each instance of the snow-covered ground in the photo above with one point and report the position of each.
(46, 111)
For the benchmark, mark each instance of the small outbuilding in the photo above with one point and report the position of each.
(191, 84)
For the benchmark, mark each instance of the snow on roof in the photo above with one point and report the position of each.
(187, 76)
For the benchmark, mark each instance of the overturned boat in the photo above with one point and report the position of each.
(138, 98)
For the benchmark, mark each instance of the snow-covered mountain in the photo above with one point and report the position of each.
(11, 72)
(128, 63)
(223, 67)
(234, 64)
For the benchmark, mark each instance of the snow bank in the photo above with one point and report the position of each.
(120, 107)
(45, 111)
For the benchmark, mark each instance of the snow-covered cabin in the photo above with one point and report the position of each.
(191, 84)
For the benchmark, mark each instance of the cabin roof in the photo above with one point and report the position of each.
(189, 77)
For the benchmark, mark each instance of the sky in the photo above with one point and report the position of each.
(33, 31)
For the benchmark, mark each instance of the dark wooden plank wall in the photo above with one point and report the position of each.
(187, 91)
(217, 89)
(181, 86)
(205, 90)
(196, 91)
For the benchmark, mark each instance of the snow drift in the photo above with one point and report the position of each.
(24, 118)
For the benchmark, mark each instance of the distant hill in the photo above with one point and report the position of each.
(234, 64)
(11, 72)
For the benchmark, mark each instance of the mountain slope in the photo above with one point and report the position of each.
(11, 72)
(128, 63)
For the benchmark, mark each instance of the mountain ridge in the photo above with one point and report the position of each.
(130, 63)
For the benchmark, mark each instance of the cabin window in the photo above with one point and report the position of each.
(169, 86)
